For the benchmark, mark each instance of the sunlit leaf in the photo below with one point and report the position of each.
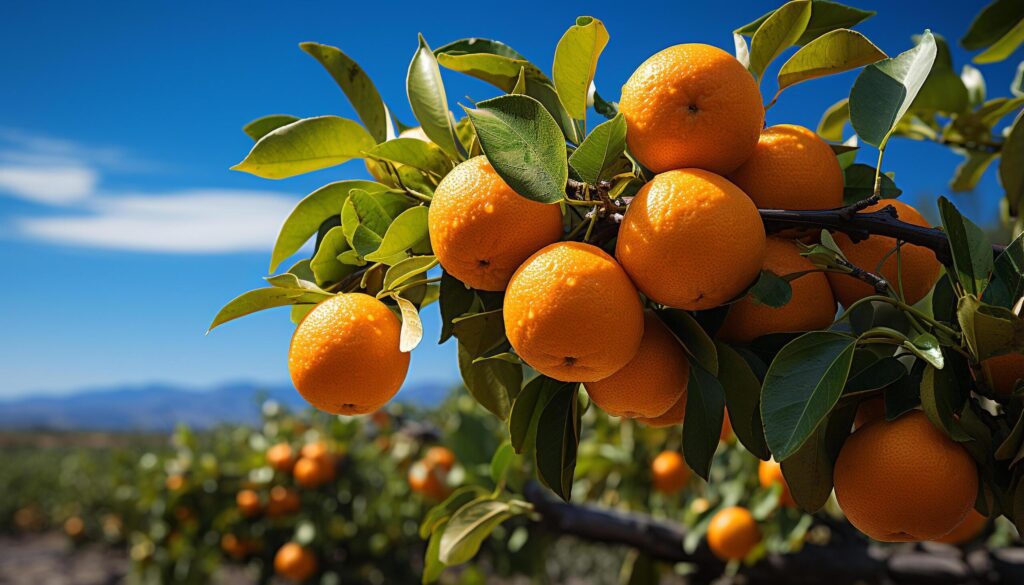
(599, 150)
(260, 127)
(429, 101)
(576, 61)
(306, 145)
(778, 32)
(357, 86)
(835, 52)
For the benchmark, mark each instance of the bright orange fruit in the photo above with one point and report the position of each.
(294, 562)
(733, 533)
(669, 472)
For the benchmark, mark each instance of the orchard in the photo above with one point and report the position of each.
(682, 262)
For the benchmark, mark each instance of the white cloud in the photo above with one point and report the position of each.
(50, 185)
(201, 221)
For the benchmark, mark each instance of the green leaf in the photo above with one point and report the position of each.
(743, 400)
(292, 281)
(1017, 86)
(869, 372)
(859, 184)
(600, 150)
(802, 386)
(825, 17)
(480, 332)
(264, 298)
(492, 383)
(989, 330)
(972, 250)
(524, 145)
(260, 127)
(469, 527)
(942, 399)
(307, 145)
(501, 461)
(834, 52)
(809, 471)
(969, 172)
(1004, 47)
(365, 217)
(419, 154)
(777, 33)
(884, 91)
(325, 264)
(456, 300)
(432, 565)
(695, 339)
(1007, 283)
(435, 518)
(576, 61)
(527, 408)
(994, 22)
(357, 86)
(429, 101)
(406, 234)
(943, 91)
(702, 423)
(771, 290)
(604, 107)
(1011, 166)
(558, 437)
(832, 122)
(405, 270)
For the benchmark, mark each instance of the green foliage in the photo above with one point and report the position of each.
(307, 145)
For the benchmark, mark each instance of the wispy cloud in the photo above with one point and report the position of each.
(51, 185)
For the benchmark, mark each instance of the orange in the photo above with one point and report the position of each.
(312, 473)
(918, 265)
(733, 533)
(283, 502)
(317, 450)
(344, 356)
(441, 457)
(481, 230)
(1002, 372)
(295, 562)
(572, 314)
(174, 482)
(280, 457)
(769, 473)
(669, 472)
(248, 503)
(869, 411)
(674, 416)
(811, 307)
(692, 105)
(791, 168)
(969, 529)
(74, 527)
(692, 240)
(428, 480)
(652, 382)
(233, 546)
(904, 480)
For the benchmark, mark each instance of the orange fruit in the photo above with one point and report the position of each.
(692, 105)
(280, 457)
(441, 457)
(344, 356)
(74, 527)
(174, 482)
(248, 503)
(733, 533)
(295, 562)
(918, 265)
(312, 473)
(869, 411)
(317, 450)
(283, 502)
(1002, 372)
(904, 480)
(811, 307)
(692, 240)
(481, 230)
(968, 529)
(669, 472)
(235, 547)
(674, 416)
(791, 168)
(429, 480)
(769, 473)
(572, 313)
(652, 382)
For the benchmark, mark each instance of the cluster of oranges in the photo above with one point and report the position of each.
(429, 475)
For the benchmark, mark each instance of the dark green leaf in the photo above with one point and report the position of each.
(702, 424)
(492, 382)
(604, 107)
(599, 150)
(480, 332)
(873, 373)
(1011, 166)
(969, 172)
(1008, 276)
(575, 62)
(692, 335)
(808, 472)
(859, 180)
(943, 91)
(260, 127)
(527, 408)
(972, 250)
(989, 330)
(942, 399)
(771, 290)
(357, 86)
(429, 101)
(558, 437)
(825, 16)
(994, 22)
(456, 300)
(743, 399)
(307, 145)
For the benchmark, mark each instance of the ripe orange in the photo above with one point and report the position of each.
(918, 265)
(280, 457)
(811, 306)
(312, 473)
(869, 411)
(791, 168)
(969, 529)
(674, 415)
(690, 239)
(733, 533)
(481, 230)
(429, 480)
(669, 472)
(572, 313)
(1003, 371)
(692, 105)
(769, 473)
(248, 503)
(174, 482)
(441, 457)
(344, 356)
(233, 546)
(652, 382)
(295, 562)
(317, 450)
(74, 527)
(283, 502)
(903, 480)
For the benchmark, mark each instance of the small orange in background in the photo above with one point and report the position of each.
(441, 457)
(669, 472)
(733, 533)
(1003, 371)
(769, 473)
(295, 562)
(283, 502)
(970, 528)
(74, 527)
(248, 503)
(174, 482)
(317, 450)
(313, 473)
(281, 458)
(233, 547)
(428, 480)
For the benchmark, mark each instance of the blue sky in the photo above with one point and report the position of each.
(122, 230)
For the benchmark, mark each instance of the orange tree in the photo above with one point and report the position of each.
(557, 255)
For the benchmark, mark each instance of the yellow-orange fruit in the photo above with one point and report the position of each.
(481, 230)
(233, 546)
(918, 266)
(248, 503)
(295, 562)
(572, 313)
(769, 473)
(791, 168)
(283, 502)
(1003, 371)
(440, 457)
(344, 356)
(968, 529)
(674, 415)
(74, 527)
(311, 473)
(652, 382)
(669, 472)
(869, 411)
(428, 480)
(690, 239)
(280, 457)
(811, 307)
(903, 480)
(733, 533)
(692, 105)
(317, 450)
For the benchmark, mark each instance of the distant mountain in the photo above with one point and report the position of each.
(160, 407)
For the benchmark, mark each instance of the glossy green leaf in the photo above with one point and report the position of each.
(695, 339)
(1011, 165)
(1004, 47)
(366, 216)
(778, 32)
(576, 61)
(836, 116)
(1007, 285)
(264, 298)
(809, 470)
(435, 517)
(859, 184)
(307, 145)
(469, 527)
(942, 399)
(527, 408)
(406, 234)
(492, 383)
(481, 332)
(989, 330)
(743, 400)
(825, 17)
(702, 423)
(992, 23)
(599, 150)
(501, 461)
(943, 91)
(558, 437)
(771, 290)
(325, 264)
(429, 101)
(408, 269)
(834, 52)
(260, 127)
(356, 85)
(972, 250)
(456, 300)
(1017, 85)
(419, 154)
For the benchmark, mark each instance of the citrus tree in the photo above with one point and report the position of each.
(680, 264)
